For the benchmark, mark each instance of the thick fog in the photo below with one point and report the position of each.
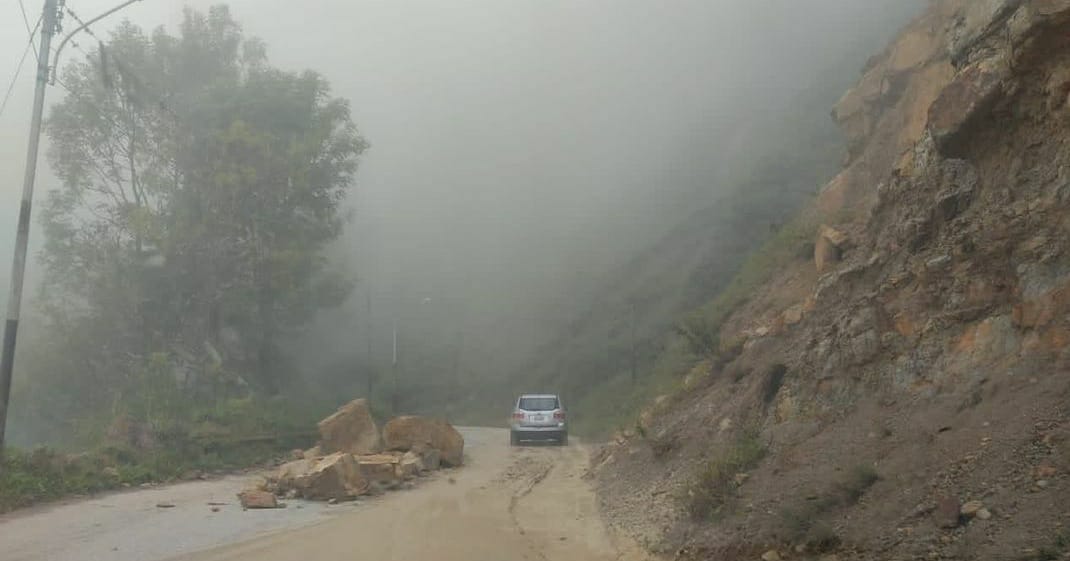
(519, 149)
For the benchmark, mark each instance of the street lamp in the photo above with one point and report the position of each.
(394, 361)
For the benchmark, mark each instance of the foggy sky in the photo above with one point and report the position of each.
(518, 147)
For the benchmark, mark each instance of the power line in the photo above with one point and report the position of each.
(26, 22)
(18, 69)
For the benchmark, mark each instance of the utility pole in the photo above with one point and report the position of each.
(635, 362)
(369, 364)
(394, 372)
(49, 26)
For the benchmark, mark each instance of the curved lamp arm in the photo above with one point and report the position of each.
(63, 43)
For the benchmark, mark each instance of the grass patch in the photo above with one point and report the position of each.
(803, 525)
(715, 483)
(663, 445)
(229, 435)
(614, 406)
(702, 328)
(1053, 551)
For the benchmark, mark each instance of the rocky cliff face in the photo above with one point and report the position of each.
(922, 364)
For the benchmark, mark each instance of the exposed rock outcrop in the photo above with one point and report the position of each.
(929, 366)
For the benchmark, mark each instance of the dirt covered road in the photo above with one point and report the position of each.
(506, 504)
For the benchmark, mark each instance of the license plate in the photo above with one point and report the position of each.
(538, 418)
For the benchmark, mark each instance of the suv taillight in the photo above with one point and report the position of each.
(518, 416)
(559, 415)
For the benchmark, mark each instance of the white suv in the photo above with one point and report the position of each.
(538, 417)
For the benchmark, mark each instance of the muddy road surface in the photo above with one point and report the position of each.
(506, 504)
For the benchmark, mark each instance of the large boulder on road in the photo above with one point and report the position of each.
(337, 476)
(416, 433)
(350, 429)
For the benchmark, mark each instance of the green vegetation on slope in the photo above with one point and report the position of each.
(224, 436)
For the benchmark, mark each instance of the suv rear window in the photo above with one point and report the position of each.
(538, 403)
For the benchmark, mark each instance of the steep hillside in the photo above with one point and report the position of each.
(627, 320)
(904, 393)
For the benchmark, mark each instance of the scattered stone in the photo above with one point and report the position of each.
(430, 458)
(938, 262)
(215, 509)
(983, 514)
(379, 467)
(971, 508)
(828, 247)
(257, 499)
(947, 512)
(1045, 471)
(1042, 483)
(410, 465)
(771, 555)
(297, 454)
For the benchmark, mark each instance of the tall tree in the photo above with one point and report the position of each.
(200, 187)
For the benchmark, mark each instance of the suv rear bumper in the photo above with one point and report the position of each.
(539, 433)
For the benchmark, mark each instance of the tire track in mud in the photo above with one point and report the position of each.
(525, 473)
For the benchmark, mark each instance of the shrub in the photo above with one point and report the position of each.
(714, 484)
(802, 524)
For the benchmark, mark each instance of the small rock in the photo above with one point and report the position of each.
(983, 514)
(771, 555)
(215, 509)
(947, 512)
(257, 498)
(970, 508)
(165, 505)
(938, 262)
(332, 501)
(1042, 483)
